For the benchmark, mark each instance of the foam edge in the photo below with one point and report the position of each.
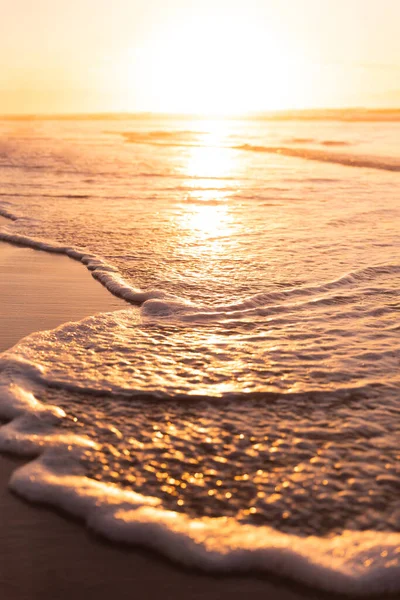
(360, 563)
(106, 274)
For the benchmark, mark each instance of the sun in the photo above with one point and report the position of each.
(210, 66)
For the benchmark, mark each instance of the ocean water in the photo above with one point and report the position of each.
(242, 413)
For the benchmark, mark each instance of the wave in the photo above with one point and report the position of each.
(348, 160)
(6, 213)
(264, 304)
(198, 139)
(168, 138)
(27, 167)
(357, 562)
(178, 138)
(19, 195)
(159, 303)
(353, 562)
(335, 143)
(102, 271)
(305, 140)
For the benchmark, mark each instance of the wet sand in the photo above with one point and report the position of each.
(40, 291)
(44, 555)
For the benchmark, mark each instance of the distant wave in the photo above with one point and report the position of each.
(178, 138)
(335, 143)
(301, 140)
(14, 195)
(7, 214)
(367, 162)
(196, 138)
(305, 140)
(170, 138)
(18, 166)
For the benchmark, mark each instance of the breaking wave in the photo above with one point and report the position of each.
(199, 139)
(348, 160)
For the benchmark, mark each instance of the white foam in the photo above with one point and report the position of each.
(354, 562)
(264, 304)
(103, 272)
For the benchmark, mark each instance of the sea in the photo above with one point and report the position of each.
(241, 412)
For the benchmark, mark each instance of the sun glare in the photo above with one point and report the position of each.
(203, 57)
(207, 216)
(210, 162)
(211, 67)
(208, 221)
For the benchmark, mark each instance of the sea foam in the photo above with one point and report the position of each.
(103, 272)
(354, 562)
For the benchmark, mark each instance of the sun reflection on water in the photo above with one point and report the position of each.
(211, 169)
(213, 159)
(211, 162)
(207, 221)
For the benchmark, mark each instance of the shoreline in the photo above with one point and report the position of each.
(47, 554)
(41, 291)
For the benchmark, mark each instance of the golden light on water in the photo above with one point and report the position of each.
(208, 221)
(210, 162)
(212, 157)
(207, 166)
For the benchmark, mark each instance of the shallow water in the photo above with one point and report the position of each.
(256, 378)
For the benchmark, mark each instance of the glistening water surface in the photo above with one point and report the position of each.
(245, 409)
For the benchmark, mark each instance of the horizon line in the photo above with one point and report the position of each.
(351, 112)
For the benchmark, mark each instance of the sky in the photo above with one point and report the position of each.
(197, 56)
